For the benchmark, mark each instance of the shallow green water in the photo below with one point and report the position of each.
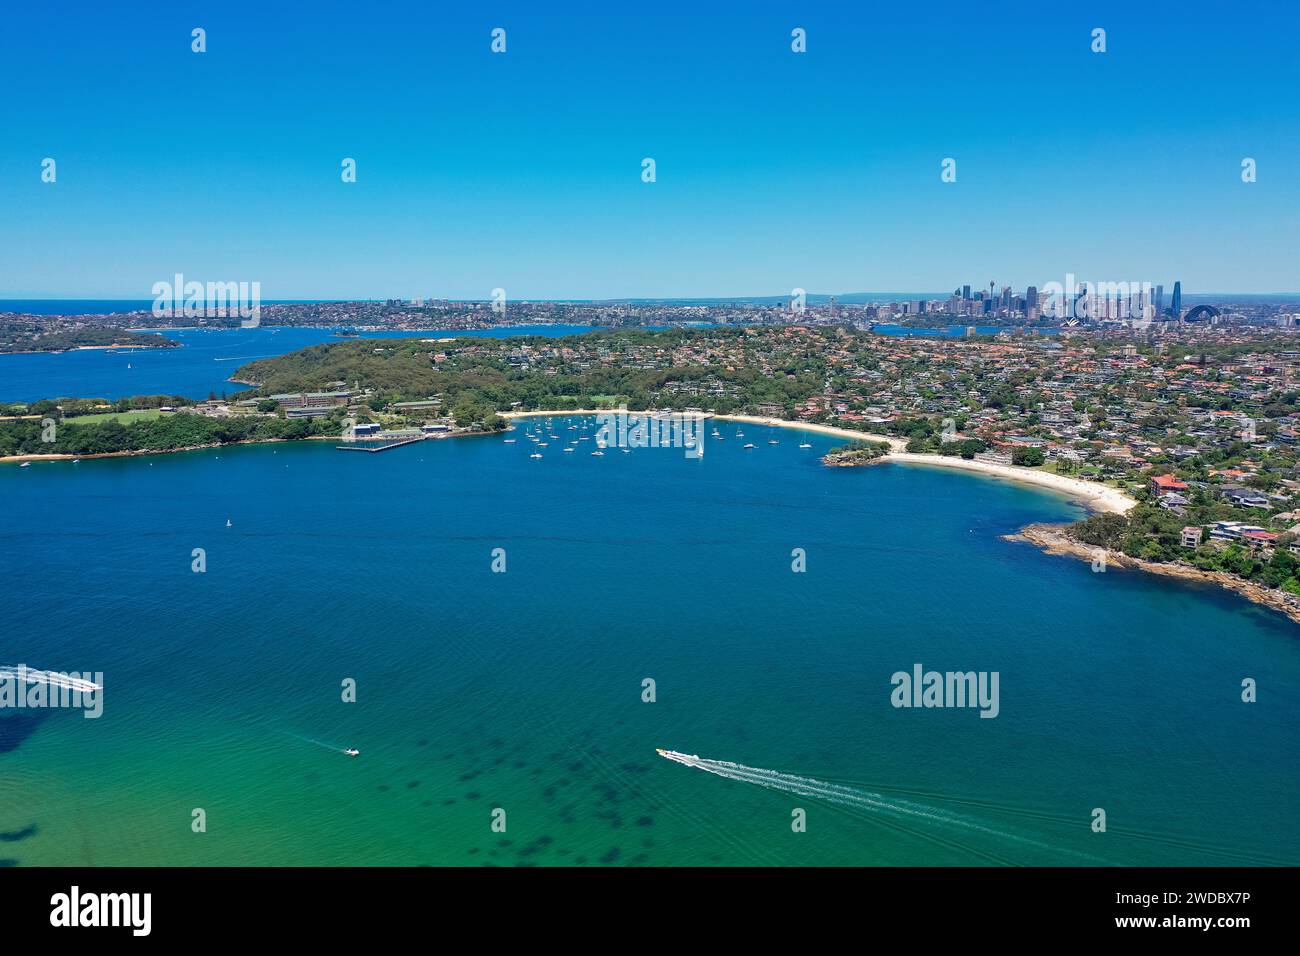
(522, 690)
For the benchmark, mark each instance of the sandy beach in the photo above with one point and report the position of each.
(848, 434)
(1096, 496)
(896, 444)
(575, 411)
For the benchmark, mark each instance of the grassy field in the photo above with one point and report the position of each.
(123, 417)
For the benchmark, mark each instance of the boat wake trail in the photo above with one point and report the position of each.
(876, 804)
(319, 743)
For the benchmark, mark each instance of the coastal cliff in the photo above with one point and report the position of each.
(1053, 539)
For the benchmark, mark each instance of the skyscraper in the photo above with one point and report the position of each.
(1176, 305)
(1160, 300)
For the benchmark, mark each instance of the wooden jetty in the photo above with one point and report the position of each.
(358, 446)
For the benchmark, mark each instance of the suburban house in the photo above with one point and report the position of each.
(1174, 502)
(1162, 484)
(1258, 539)
(1246, 497)
(1239, 531)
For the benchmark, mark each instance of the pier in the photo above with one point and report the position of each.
(357, 446)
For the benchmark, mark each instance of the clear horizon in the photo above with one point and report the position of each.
(720, 299)
(522, 170)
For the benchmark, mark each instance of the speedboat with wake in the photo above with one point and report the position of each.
(689, 759)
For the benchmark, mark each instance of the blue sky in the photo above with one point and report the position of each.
(522, 171)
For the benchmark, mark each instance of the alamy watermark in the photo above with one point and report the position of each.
(23, 688)
(624, 429)
(74, 908)
(216, 300)
(1097, 300)
(922, 688)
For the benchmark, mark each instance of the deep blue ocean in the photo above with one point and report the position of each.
(523, 691)
(95, 306)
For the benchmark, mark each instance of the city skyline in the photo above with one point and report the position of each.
(854, 296)
(703, 437)
(523, 170)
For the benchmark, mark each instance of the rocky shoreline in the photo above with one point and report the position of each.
(855, 458)
(138, 452)
(1052, 539)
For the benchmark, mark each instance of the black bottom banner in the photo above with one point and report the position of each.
(190, 905)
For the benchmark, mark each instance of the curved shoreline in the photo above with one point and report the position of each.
(139, 452)
(1098, 497)
(1052, 539)
(897, 444)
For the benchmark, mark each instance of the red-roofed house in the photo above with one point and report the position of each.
(1164, 484)
(1259, 539)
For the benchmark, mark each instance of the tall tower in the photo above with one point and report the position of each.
(1176, 306)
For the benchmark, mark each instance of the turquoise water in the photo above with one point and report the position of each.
(523, 690)
(201, 366)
